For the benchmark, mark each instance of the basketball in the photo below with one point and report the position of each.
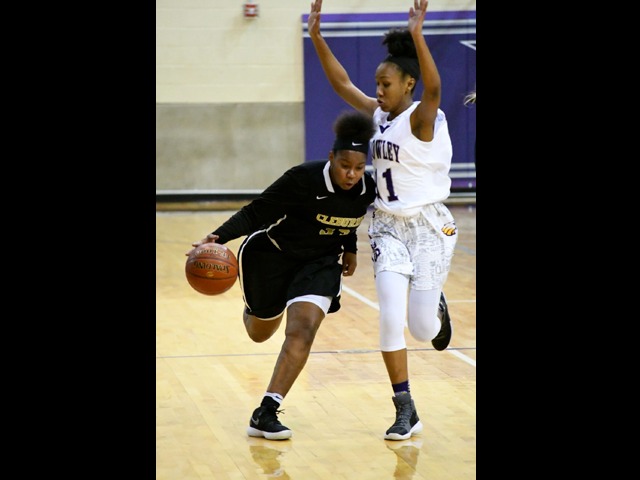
(211, 269)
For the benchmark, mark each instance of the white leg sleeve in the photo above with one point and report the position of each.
(392, 297)
(423, 320)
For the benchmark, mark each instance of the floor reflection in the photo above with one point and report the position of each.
(267, 455)
(407, 453)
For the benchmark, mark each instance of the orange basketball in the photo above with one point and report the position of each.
(211, 269)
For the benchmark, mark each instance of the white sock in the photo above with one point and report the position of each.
(276, 396)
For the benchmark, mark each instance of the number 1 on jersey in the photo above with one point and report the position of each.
(389, 184)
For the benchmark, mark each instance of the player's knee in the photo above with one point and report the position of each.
(421, 336)
(259, 337)
(424, 332)
(298, 341)
(303, 321)
(303, 334)
(260, 330)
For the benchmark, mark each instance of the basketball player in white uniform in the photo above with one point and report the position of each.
(413, 234)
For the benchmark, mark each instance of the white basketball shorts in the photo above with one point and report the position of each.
(420, 246)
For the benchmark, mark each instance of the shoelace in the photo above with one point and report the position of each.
(271, 414)
(404, 413)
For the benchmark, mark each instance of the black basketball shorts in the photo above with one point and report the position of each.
(269, 278)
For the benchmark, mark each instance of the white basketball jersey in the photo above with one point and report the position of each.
(410, 173)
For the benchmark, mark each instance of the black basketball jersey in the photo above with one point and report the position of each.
(304, 213)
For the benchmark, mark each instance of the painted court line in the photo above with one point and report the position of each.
(365, 300)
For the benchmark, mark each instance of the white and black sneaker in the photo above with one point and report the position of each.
(441, 341)
(264, 422)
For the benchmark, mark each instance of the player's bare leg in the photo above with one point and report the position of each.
(303, 321)
(260, 330)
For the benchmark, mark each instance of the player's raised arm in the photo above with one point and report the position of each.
(333, 69)
(424, 116)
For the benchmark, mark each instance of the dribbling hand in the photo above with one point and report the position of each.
(211, 238)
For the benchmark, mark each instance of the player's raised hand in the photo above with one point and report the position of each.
(416, 15)
(314, 17)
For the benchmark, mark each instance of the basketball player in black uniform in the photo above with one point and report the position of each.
(301, 238)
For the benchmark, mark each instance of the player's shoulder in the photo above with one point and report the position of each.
(306, 173)
(309, 166)
(305, 169)
(378, 115)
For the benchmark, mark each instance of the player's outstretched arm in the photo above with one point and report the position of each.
(425, 114)
(333, 69)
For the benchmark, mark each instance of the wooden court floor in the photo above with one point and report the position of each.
(210, 376)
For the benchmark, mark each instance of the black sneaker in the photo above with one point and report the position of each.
(264, 423)
(441, 341)
(407, 422)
